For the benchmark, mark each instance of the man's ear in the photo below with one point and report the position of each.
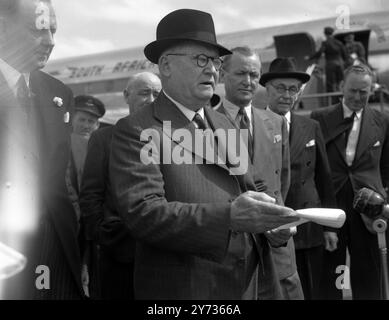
(164, 66)
(125, 93)
(222, 75)
(3, 29)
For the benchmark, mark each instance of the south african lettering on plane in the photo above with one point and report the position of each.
(105, 75)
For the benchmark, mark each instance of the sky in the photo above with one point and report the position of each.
(92, 26)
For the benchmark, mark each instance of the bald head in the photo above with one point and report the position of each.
(142, 89)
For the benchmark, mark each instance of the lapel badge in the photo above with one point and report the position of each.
(377, 144)
(311, 143)
(58, 102)
(66, 117)
(277, 138)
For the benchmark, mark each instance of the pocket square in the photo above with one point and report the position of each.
(277, 138)
(311, 143)
(377, 144)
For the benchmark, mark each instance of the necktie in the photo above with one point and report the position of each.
(245, 124)
(350, 123)
(352, 140)
(30, 127)
(199, 121)
(23, 94)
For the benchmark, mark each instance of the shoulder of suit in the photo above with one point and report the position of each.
(221, 116)
(103, 132)
(324, 111)
(379, 115)
(304, 119)
(46, 78)
(269, 114)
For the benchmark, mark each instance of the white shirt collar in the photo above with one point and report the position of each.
(287, 116)
(347, 112)
(12, 76)
(188, 113)
(233, 109)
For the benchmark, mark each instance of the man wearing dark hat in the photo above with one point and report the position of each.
(335, 58)
(195, 221)
(85, 121)
(357, 142)
(311, 184)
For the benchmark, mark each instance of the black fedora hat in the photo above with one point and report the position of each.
(283, 68)
(182, 25)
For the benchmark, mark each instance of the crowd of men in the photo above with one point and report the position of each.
(183, 198)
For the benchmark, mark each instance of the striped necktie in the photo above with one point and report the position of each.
(245, 124)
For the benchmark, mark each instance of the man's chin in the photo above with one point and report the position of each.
(40, 63)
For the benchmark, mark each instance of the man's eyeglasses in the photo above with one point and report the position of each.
(201, 59)
(281, 89)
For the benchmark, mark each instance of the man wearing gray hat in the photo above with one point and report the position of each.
(194, 219)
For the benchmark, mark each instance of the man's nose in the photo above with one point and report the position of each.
(48, 38)
(287, 94)
(210, 68)
(151, 98)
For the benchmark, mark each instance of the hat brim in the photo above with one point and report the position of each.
(98, 115)
(155, 49)
(266, 77)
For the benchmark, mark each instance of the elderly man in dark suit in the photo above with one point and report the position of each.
(38, 218)
(357, 142)
(191, 212)
(103, 226)
(311, 185)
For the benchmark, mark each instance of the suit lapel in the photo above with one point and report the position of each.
(335, 128)
(367, 133)
(298, 134)
(261, 132)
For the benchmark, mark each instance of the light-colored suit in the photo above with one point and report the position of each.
(180, 213)
(271, 167)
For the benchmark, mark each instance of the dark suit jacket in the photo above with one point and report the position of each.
(102, 222)
(311, 185)
(180, 213)
(55, 212)
(370, 168)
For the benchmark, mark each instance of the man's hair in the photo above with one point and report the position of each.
(134, 77)
(328, 31)
(9, 8)
(244, 51)
(358, 69)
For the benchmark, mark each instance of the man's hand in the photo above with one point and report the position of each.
(255, 212)
(330, 241)
(277, 238)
